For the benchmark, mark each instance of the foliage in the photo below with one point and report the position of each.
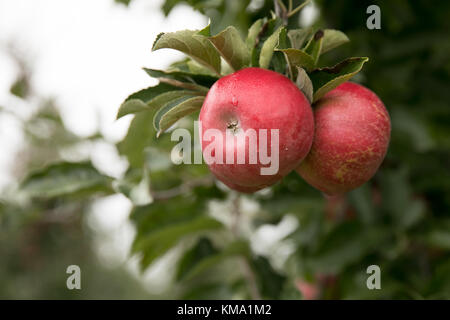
(42, 225)
(399, 221)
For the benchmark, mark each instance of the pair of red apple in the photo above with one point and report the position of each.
(335, 149)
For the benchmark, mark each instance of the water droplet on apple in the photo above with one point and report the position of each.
(234, 101)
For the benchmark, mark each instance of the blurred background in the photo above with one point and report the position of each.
(74, 182)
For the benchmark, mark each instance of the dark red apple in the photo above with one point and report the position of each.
(255, 100)
(352, 132)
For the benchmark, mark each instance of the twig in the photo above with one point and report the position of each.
(251, 279)
(300, 7)
(249, 275)
(281, 11)
(282, 6)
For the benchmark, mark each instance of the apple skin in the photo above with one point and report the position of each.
(352, 132)
(255, 98)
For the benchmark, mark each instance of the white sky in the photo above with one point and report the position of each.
(87, 54)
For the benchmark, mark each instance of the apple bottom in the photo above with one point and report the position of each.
(239, 187)
(243, 189)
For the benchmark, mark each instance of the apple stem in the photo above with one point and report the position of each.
(233, 126)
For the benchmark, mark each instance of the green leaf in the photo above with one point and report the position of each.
(175, 110)
(314, 46)
(362, 199)
(304, 84)
(232, 48)
(332, 39)
(137, 191)
(193, 44)
(298, 37)
(269, 47)
(326, 79)
(136, 105)
(298, 59)
(253, 32)
(138, 100)
(398, 199)
(271, 282)
(157, 243)
(184, 80)
(439, 236)
(279, 62)
(267, 29)
(21, 87)
(202, 249)
(237, 248)
(206, 31)
(66, 178)
(344, 245)
(140, 134)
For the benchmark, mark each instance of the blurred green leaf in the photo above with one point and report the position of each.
(398, 200)
(361, 199)
(439, 238)
(237, 248)
(138, 191)
(271, 282)
(66, 178)
(344, 245)
(407, 123)
(202, 249)
(333, 39)
(21, 87)
(153, 245)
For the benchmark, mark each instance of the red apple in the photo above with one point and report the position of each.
(352, 131)
(257, 99)
(309, 291)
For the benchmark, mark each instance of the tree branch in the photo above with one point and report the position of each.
(247, 270)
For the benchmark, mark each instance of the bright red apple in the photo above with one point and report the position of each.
(352, 132)
(258, 108)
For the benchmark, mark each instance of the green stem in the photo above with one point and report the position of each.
(283, 7)
(300, 7)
